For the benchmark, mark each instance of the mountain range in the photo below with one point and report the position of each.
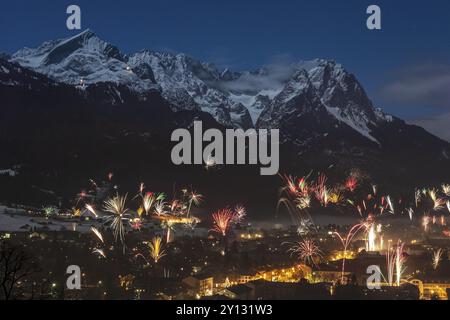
(71, 101)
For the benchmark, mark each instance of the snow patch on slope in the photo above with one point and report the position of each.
(357, 123)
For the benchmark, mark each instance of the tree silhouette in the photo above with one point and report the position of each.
(15, 266)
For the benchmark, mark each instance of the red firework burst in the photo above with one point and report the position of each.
(222, 219)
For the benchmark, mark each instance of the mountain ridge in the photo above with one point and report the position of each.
(185, 82)
(311, 102)
(60, 135)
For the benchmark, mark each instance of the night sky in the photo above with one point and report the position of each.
(405, 67)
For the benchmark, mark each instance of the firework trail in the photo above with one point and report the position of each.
(374, 189)
(390, 204)
(169, 226)
(410, 213)
(437, 257)
(222, 220)
(390, 266)
(426, 220)
(80, 197)
(395, 259)
(371, 238)
(400, 258)
(417, 197)
(174, 205)
(321, 190)
(348, 240)
(100, 252)
(98, 234)
(91, 209)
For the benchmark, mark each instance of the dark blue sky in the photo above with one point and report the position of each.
(246, 34)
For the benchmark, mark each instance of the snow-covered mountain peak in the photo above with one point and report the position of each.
(297, 85)
(83, 60)
(188, 84)
(233, 98)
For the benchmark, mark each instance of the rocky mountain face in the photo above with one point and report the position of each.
(58, 136)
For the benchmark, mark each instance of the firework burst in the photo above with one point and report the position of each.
(194, 198)
(239, 214)
(156, 249)
(351, 183)
(446, 189)
(222, 220)
(147, 202)
(307, 251)
(296, 198)
(116, 206)
(321, 190)
(160, 208)
(136, 224)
